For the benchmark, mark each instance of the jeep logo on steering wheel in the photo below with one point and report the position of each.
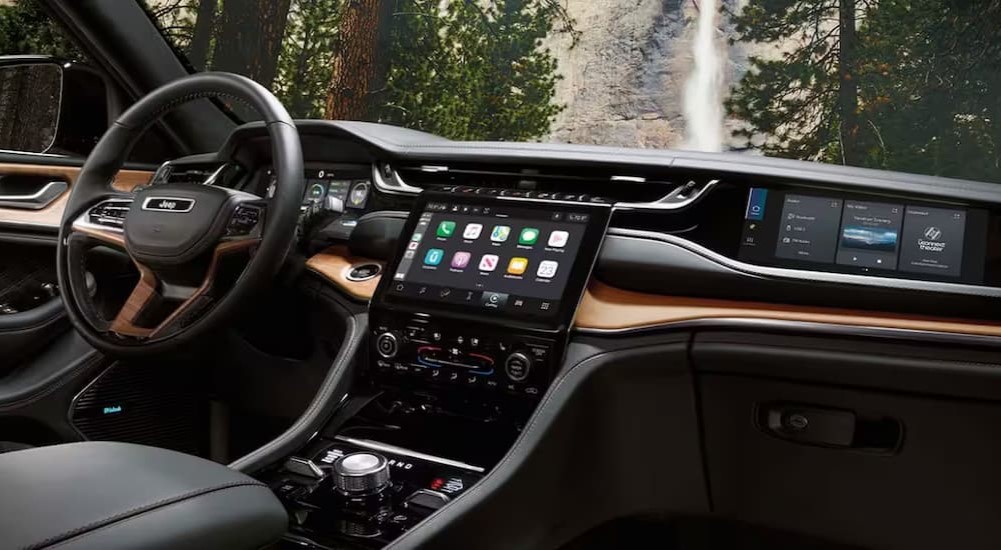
(168, 204)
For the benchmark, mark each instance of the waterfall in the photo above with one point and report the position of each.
(703, 101)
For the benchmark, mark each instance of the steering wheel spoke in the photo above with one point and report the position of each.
(139, 300)
(105, 220)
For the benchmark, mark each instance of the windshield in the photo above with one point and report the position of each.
(910, 85)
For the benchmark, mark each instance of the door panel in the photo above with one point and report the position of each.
(43, 362)
(48, 218)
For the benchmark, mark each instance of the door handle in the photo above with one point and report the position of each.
(37, 200)
(829, 427)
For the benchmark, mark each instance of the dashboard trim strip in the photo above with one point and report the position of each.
(609, 310)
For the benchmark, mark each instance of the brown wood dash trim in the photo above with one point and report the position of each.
(333, 264)
(608, 308)
(51, 215)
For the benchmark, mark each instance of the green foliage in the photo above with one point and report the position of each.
(25, 28)
(463, 69)
(471, 70)
(928, 75)
(306, 54)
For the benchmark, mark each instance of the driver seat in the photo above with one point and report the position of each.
(118, 495)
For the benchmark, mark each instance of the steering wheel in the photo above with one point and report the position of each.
(184, 238)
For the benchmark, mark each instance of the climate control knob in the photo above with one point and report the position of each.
(387, 345)
(361, 473)
(517, 366)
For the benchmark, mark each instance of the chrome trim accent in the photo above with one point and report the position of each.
(191, 204)
(630, 179)
(398, 187)
(37, 194)
(433, 169)
(670, 200)
(166, 168)
(387, 448)
(303, 467)
(808, 327)
(805, 275)
(215, 175)
(350, 268)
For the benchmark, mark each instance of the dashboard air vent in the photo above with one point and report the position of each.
(612, 183)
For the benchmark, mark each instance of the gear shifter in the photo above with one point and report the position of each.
(359, 474)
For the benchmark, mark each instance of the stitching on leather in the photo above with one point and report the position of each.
(438, 516)
(57, 540)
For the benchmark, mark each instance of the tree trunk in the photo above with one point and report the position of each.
(358, 68)
(250, 38)
(848, 86)
(201, 38)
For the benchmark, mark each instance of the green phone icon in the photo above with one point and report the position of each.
(446, 229)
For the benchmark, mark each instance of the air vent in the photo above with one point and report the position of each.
(199, 173)
(644, 187)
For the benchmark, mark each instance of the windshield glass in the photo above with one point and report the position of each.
(910, 85)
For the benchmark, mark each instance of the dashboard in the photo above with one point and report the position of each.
(680, 224)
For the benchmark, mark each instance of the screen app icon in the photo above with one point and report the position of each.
(446, 229)
(434, 256)
(472, 231)
(500, 233)
(529, 236)
(460, 260)
(517, 266)
(488, 262)
(558, 239)
(547, 269)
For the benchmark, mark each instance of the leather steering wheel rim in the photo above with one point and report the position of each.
(93, 185)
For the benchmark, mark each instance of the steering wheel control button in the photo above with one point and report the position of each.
(363, 272)
(303, 467)
(517, 366)
(361, 473)
(387, 345)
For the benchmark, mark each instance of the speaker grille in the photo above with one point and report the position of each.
(149, 404)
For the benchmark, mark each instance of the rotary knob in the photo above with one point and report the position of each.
(361, 473)
(387, 345)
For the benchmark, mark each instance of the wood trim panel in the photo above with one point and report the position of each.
(51, 215)
(607, 308)
(333, 264)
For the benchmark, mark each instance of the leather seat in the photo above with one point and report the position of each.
(118, 495)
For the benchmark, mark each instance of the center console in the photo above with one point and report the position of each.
(468, 327)
(482, 293)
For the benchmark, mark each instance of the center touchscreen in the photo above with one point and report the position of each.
(510, 258)
(879, 237)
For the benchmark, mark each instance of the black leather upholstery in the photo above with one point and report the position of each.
(117, 495)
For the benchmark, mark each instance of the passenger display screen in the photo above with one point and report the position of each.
(505, 258)
(850, 234)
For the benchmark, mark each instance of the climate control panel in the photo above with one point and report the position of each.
(418, 351)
